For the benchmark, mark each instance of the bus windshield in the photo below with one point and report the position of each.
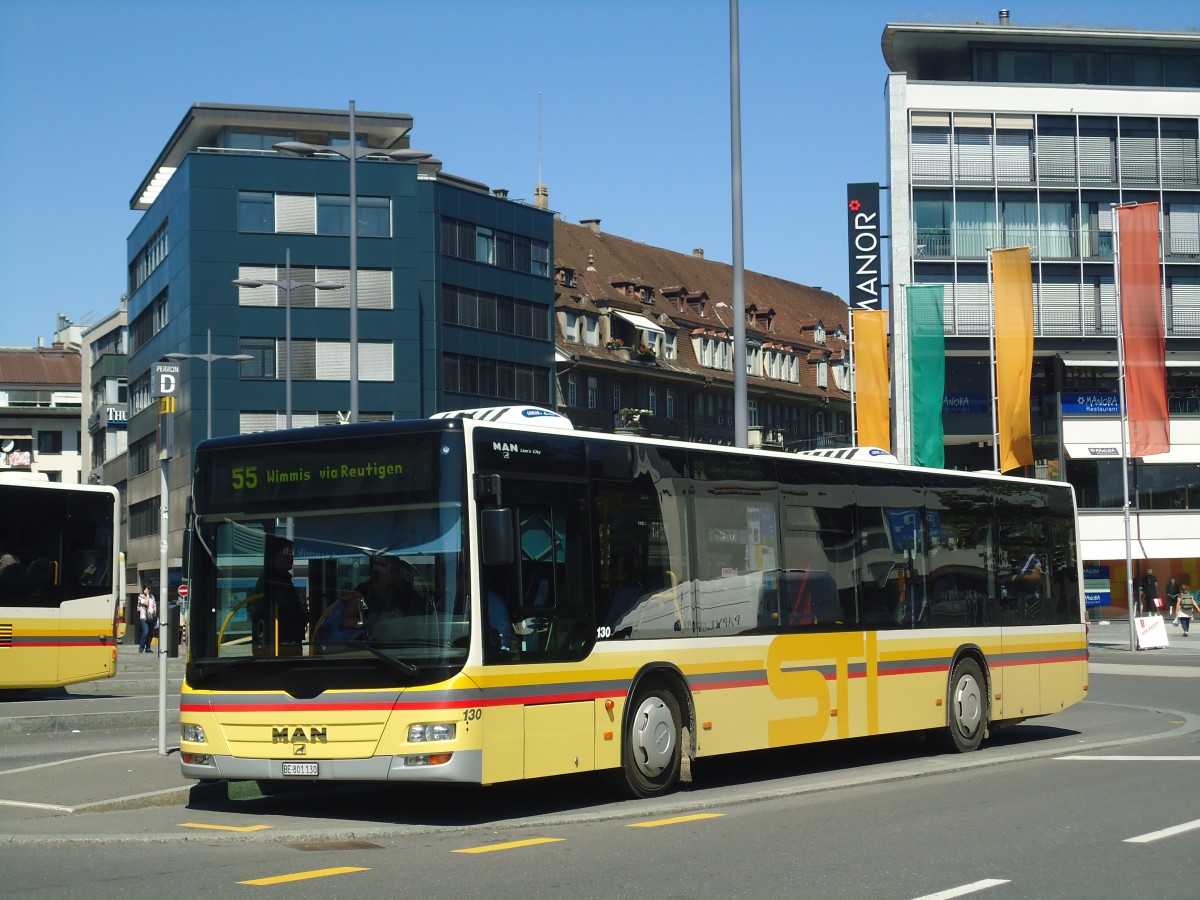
(365, 575)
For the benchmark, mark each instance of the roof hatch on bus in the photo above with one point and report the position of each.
(511, 415)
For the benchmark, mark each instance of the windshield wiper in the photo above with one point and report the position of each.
(399, 665)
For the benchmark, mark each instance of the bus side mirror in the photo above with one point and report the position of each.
(497, 544)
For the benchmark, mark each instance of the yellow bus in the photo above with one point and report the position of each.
(60, 581)
(490, 595)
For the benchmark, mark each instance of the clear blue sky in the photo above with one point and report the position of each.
(635, 106)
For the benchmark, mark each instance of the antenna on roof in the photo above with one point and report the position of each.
(541, 197)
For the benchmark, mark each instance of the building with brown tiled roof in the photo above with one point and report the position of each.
(39, 411)
(642, 328)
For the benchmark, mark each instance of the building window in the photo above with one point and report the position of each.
(540, 258)
(256, 212)
(571, 327)
(491, 246)
(495, 378)
(593, 393)
(148, 258)
(374, 216)
(144, 518)
(50, 442)
(670, 350)
(263, 364)
(485, 246)
(653, 398)
(139, 394)
(140, 454)
(616, 396)
(670, 403)
(148, 323)
(490, 312)
(572, 390)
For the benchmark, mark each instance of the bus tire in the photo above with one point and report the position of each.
(967, 707)
(651, 755)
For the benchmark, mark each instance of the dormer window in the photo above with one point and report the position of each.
(565, 276)
(645, 293)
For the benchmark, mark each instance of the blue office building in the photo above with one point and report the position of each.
(454, 301)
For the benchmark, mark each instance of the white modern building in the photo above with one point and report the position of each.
(1005, 136)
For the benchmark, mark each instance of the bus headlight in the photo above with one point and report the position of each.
(193, 734)
(418, 734)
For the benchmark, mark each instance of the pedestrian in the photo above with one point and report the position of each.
(1185, 610)
(1150, 586)
(1172, 593)
(147, 618)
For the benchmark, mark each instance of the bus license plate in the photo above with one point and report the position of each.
(304, 768)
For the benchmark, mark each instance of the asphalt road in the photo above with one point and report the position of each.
(1098, 801)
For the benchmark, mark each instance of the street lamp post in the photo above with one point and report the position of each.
(209, 358)
(287, 284)
(353, 153)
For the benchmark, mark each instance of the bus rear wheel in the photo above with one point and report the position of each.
(651, 755)
(968, 707)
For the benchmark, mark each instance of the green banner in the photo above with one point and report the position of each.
(927, 373)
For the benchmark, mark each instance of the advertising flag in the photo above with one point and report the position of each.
(1012, 292)
(927, 365)
(1142, 330)
(871, 394)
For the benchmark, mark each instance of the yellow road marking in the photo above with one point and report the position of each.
(511, 845)
(303, 876)
(225, 827)
(676, 820)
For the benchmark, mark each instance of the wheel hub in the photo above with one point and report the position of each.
(968, 705)
(653, 737)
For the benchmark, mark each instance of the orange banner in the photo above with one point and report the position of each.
(1142, 330)
(871, 392)
(1012, 292)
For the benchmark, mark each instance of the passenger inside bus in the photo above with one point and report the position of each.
(499, 624)
(278, 613)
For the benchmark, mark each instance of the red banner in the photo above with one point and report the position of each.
(1142, 330)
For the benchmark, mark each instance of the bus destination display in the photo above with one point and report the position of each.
(254, 478)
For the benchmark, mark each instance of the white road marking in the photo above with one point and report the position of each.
(25, 805)
(963, 890)
(1164, 833)
(1082, 758)
(63, 762)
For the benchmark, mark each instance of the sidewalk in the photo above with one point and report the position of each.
(1113, 634)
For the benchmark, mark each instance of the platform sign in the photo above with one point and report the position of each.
(1097, 589)
(1151, 632)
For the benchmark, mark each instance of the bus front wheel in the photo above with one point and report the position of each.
(651, 757)
(967, 716)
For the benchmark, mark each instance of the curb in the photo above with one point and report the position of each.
(98, 721)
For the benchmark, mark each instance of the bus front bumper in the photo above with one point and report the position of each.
(464, 766)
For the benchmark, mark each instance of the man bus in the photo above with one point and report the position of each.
(60, 582)
(590, 602)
